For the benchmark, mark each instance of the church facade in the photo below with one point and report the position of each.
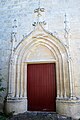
(40, 57)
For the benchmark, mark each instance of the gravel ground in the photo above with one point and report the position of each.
(39, 116)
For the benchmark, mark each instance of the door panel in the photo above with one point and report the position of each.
(41, 87)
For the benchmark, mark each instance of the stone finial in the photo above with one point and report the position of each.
(39, 12)
(66, 28)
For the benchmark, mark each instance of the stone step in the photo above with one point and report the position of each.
(39, 116)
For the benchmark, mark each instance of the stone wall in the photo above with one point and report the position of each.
(23, 12)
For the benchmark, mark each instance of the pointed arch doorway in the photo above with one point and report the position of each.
(41, 87)
(39, 47)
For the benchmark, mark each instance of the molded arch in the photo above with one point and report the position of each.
(58, 51)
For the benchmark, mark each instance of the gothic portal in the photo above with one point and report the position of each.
(39, 48)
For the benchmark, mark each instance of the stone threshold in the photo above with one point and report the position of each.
(39, 115)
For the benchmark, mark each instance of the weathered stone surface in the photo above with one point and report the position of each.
(22, 12)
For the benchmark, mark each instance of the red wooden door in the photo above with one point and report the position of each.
(41, 87)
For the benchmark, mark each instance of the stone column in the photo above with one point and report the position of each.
(10, 84)
(25, 80)
(72, 95)
(18, 81)
(21, 80)
(58, 81)
(61, 81)
(11, 69)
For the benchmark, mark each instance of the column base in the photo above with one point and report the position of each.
(15, 105)
(70, 108)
